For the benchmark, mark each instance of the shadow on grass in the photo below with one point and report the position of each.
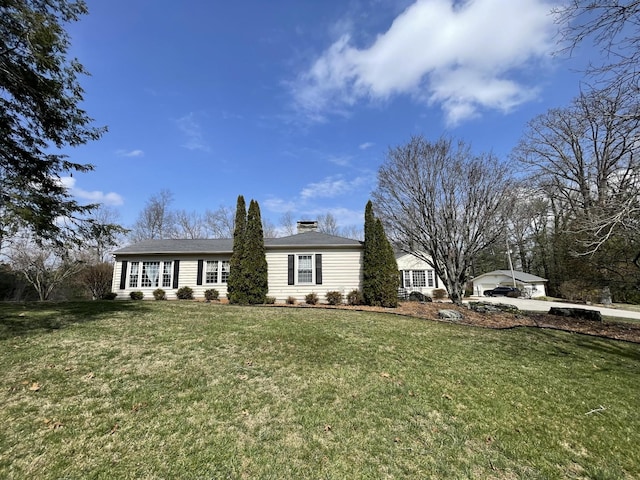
(562, 345)
(600, 346)
(20, 319)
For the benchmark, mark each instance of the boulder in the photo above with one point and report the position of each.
(486, 307)
(450, 315)
(582, 313)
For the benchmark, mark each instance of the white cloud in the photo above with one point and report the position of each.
(130, 153)
(366, 145)
(192, 130)
(461, 55)
(331, 187)
(344, 216)
(279, 205)
(340, 160)
(95, 196)
(304, 205)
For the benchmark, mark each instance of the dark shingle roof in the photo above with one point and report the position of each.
(212, 245)
(520, 276)
(312, 239)
(225, 245)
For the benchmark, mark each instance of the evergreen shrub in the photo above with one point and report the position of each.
(311, 298)
(211, 294)
(137, 295)
(159, 294)
(334, 298)
(419, 297)
(354, 297)
(185, 293)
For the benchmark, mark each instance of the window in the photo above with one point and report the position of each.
(133, 276)
(305, 269)
(216, 271)
(166, 274)
(224, 277)
(151, 275)
(211, 274)
(419, 279)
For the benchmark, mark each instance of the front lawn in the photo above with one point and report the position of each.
(196, 390)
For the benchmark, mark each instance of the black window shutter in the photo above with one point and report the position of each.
(402, 279)
(291, 270)
(200, 267)
(318, 269)
(436, 275)
(176, 272)
(123, 276)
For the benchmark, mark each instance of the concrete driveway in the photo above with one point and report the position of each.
(542, 306)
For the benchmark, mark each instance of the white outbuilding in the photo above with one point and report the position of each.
(531, 285)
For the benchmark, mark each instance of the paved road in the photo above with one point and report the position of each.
(543, 306)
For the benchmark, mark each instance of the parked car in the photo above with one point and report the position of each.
(503, 292)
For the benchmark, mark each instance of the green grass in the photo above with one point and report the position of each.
(195, 390)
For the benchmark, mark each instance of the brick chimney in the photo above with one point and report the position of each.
(305, 226)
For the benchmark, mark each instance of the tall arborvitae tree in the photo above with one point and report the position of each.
(388, 269)
(369, 274)
(254, 261)
(235, 283)
(379, 267)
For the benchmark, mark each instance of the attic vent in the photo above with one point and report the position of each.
(307, 226)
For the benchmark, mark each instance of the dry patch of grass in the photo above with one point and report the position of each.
(191, 390)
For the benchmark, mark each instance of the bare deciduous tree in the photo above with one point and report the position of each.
(269, 229)
(220, 223)
(287, 224)
(156, 221)
(99, 234)
(585, 157)
(443, 203)
(45, 265)
(614, 27)
(354, 232)
(189, 225)
(328, 224)
(97, 279)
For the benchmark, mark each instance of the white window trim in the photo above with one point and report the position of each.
(136, 276)
(419, 275)
(430, 276)
(216, 272)
(140, 268)
(219, 276)
(297, 268)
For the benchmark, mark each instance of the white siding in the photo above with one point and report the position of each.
(115, 282)
(341, 271)
(411, 262)
(187, 276)
(487, 282)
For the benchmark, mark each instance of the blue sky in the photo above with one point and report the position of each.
(295, 103)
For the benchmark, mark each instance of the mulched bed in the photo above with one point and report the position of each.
(627, 331)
